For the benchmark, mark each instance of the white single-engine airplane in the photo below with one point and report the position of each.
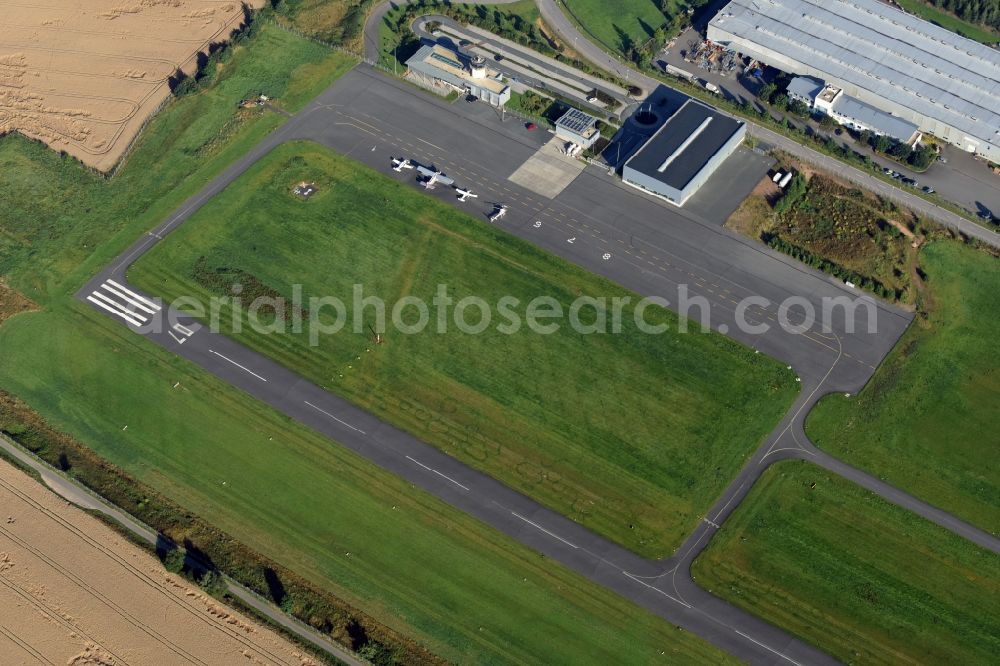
(465, 194)
(400, 164)
(429, 182)
(498, 213)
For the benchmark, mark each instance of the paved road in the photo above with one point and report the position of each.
(74, 492)
(568, 32)
(371, 117)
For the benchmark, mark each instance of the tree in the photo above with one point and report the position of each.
(923, 157)
(883, 143)
(780, 101)
(799, 108)
(826, 120)
(866, 137)
(766, 92)
(901, 151)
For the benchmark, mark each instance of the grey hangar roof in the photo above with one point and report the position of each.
(684, 144)
(883, 50)
(879, 121)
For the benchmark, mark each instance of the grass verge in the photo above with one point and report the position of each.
(243, 479)
(857, 576)
(60, 222)
(927, 420)
(546, 414)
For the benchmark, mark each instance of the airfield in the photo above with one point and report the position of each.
(596, 223)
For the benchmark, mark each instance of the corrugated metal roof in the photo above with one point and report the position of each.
(805, 86)
(868, 115)
(883, 50)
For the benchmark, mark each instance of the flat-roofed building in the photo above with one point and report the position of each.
(578, 127)
(438, 68)
(946, 85)
(677, 160)
(804, 89)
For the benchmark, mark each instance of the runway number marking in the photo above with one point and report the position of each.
(606, 256)
(571, 240)
(183, 330)
(538, 223)
(241, 367)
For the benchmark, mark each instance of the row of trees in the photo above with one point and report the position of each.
(986, 12)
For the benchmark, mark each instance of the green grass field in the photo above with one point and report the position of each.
(950, 21)
(60, 222)
(859, 577)
(633, 435)
(928, 419)
(464, 590)
(617, 24)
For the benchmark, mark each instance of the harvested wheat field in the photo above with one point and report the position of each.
(74, 592)
(83, 75)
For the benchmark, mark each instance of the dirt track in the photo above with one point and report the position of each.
(74, 592)
(83, 75)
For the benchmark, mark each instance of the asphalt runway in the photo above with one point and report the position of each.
(650, 248)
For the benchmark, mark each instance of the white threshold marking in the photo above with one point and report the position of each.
(241, 367)
(119, 306)
(444, 476)
(134, 295)
(323, 411)
(120, 294)
(114, 312)
(537, 526)
(769, 649)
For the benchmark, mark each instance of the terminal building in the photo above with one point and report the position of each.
(943, 84)
(440, 69)
(677, 160)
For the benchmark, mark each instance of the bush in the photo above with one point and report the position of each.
(174, 560)
(796, 190)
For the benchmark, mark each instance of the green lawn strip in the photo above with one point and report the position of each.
(618, 25)
(857, 576)
(61, 222)
(927, 421)
(424, 569)
(632, 434)
(950, 21)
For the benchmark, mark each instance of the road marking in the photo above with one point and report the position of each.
(120, 307)
(121, 294)
(323, 411)
(443, 476)
(241, 367)
(131, 293)
(537, 526)
(126, 317)
(656, 589)
(769, 649)
(710, 523)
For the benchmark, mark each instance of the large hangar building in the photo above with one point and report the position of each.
(684, 152)
(946, 85)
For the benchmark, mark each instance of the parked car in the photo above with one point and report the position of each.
(530, 126)
(942, 159)
(928, 189)
(985, 215)
(887, 171)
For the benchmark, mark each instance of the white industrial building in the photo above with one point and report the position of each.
(442, 69)
(677, 160)
(946, 85)
(849, 111)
